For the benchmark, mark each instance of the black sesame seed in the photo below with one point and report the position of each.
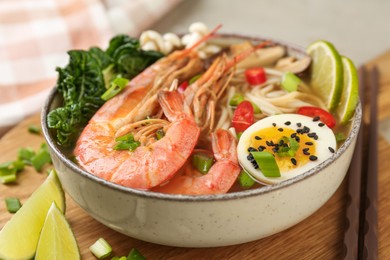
(306, 130)
(257, 137)
(305, 149)
(311, 135)
(269, 143)
(281, 142)
(287, 123)
(309, 143)
(252, 149)
(293, 135)
(280, 129)
(315, 137)
(297, 139)
(273, 124)
(250, 157)
(299, 131)
(316, 118)
(275, 149)
(294, 161)
(261, 148)
(331, 149)
(313, 158)
(321, 124)
(306, 153)
(256, 166)
(299, 124)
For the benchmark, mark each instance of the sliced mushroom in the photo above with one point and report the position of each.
(293, 64)
(262, 57)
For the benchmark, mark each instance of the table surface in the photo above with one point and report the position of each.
(320, 236)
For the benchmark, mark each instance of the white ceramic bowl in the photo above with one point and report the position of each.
(202, 221)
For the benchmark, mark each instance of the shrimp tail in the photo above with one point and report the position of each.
(224, 146)
(173, 105)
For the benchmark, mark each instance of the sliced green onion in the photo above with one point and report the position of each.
(202, 162)
(26, 154)
(340, 137)
(256, 108)
(34, 129)
(101, 248)
(160, 134)
(9, 178)
(135, 255)
(18, 165)
(194, 78)
(41, 158)
(127, 145)
(245, 180)
(125, 138)
(236, 100)
(239, 134)
(290, 150)
(117, 85)
(267, 163)
(13, 204)
(290, 82)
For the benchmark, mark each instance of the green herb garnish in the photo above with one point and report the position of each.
(34, 129)
(135, 255)
(290, 147)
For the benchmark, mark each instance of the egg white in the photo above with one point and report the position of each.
(326, 139)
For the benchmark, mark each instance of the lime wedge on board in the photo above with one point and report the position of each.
(326, 76)
(57, 240)
(19, 237)
(350, 95)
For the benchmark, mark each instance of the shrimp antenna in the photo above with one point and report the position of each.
(243, 55)
(204, 38)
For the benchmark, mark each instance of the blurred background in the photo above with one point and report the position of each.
(35, 35)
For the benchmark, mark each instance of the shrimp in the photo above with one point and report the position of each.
(219, 179)
(94, 149)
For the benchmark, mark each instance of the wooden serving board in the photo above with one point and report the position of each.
(318, 237)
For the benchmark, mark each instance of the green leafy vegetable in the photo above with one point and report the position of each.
(289, 148)
(245, 180)
(86, 78)
(135, 255)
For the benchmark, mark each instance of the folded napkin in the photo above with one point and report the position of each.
(35, 35)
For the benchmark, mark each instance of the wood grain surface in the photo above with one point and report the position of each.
(318, 237)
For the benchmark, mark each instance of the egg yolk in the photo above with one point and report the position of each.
(266, 138)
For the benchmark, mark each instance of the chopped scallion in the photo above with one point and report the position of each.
(290, 82)
(256, 108)
(41, 158)
(239, 135)
(236, 100)
(245, 180)
(18, 165)
(340, 137)
(202, 161)
(117, 85)
(127, 145)
(101, 248)
(126, 138)
(267, 163)
(26, 154)
(135, 255)
(34, 129)
(160, 134)
(290, 150)
(13, 204)
(194, 78)
(9, 178)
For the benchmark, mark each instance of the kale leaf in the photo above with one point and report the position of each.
(82, 82)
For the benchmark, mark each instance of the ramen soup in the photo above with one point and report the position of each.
(205, 115)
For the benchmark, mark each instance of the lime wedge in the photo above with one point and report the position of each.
(57, 240)
(326, 76)
(350, 95)
(19, 237)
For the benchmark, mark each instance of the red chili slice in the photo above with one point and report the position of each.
(243, 116)
(325, 116)
(182, 87)
(255, 76)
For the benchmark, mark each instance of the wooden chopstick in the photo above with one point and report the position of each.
(351, 235)
(370, 250)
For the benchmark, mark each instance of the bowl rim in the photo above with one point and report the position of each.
(356, 122)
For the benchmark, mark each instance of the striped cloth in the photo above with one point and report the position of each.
(35, 35)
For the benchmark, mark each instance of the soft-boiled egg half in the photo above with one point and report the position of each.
(297, 143)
